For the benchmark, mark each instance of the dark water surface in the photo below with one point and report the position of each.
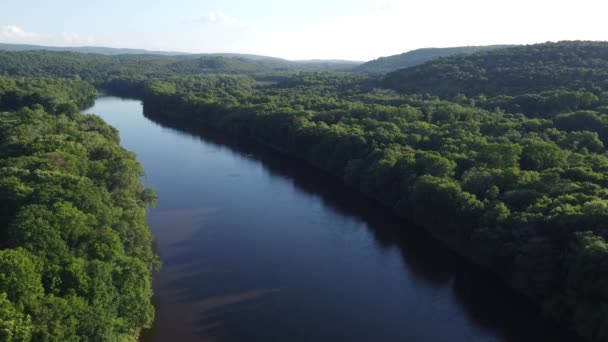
(256, 247)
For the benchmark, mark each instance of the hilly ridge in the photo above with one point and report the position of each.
(260, 60)
(96, 67)
(87, 49)
(419, 56)
(512, 71)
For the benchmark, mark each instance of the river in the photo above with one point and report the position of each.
(257, 247)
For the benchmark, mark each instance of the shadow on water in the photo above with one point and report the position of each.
(229, 311)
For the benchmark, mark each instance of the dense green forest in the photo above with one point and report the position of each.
(501, 154)
(76, 252)
(98, 69)
(56, 95)
(419, 56)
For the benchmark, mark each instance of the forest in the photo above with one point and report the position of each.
(75, 249)
(509, 145)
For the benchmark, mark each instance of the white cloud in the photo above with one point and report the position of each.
(75, 38)
(219, 18)
(13, 32)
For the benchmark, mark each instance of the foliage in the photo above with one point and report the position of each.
(57, 95)
(78, 252)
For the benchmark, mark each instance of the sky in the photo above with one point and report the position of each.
(310, 29)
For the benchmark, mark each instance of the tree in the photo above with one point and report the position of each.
(20, 279)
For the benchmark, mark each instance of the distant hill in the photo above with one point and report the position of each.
(264, 61)
(328, 64)
(419, 56)
(97, 67)
(87, 49)
(250, 57)
(512, 71)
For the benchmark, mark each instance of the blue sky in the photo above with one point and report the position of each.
(326, 29)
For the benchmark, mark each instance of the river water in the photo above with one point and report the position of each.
(257, 247)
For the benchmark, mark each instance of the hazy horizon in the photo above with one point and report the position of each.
(357, 30)
(171, 52)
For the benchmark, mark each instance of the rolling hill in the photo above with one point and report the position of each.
(87, 49)
(419, 56)
(512, 71)
(272, 62)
